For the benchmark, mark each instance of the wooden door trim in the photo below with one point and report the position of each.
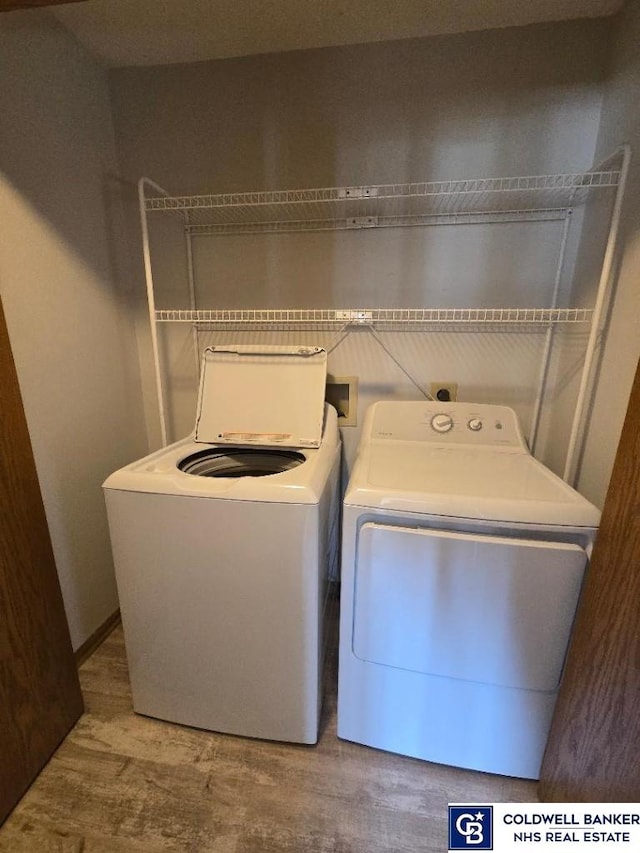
(592, 751)
(39, 685)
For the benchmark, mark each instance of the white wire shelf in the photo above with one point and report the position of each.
(482, 201)
(384, 205)
(374, 221)
(378, 317)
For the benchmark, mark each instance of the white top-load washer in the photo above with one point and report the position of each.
(223, 543)
(462, 563)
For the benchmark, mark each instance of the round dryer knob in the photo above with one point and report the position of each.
(475, 424)
(442, 422)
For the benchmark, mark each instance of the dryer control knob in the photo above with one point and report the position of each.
(475, 424)
(442, 423)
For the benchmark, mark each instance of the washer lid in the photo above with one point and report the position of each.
(270, 396)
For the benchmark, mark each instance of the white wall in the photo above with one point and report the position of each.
(510, 101)
(513, 101)
(620, 123)
(71, 334)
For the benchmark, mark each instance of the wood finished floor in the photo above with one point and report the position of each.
(122, 783)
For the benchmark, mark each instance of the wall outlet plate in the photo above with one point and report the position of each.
(445, 392)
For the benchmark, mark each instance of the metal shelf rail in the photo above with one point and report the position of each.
(386, 205)
(378, 317)
(476, 201)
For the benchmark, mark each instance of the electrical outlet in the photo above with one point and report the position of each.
(445, 392)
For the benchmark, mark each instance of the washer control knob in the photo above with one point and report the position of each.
(442, 423)
(475, 424)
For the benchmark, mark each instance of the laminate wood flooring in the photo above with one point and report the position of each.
(122, 783)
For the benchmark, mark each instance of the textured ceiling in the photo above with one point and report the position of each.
(156, 32)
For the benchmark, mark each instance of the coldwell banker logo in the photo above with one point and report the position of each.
(471, 827)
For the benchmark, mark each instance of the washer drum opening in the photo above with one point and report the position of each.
(247, 462)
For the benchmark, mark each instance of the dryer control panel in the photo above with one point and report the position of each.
(445, 423)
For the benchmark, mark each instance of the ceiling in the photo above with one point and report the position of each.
(157, 32)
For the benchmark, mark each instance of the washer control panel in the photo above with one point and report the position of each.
(444, 423)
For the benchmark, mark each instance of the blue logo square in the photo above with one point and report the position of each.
(471, 827)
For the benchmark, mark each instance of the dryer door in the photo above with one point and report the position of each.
(458, 605)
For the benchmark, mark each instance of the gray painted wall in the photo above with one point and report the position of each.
(64, 296)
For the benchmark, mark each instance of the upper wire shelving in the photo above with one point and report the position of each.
(532, 198)
(382, 318)
(535, 197)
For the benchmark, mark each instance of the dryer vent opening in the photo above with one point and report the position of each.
(240, 463)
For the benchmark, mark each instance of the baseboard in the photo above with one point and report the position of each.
(99, 635)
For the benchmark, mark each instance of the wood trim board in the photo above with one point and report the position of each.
(40, 696)
(592, 752)
(97, 638)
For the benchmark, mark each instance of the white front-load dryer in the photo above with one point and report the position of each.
(223, 544)
(462, 563)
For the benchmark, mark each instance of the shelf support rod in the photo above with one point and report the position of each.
(146, 252)
(192, 288)
(546, 354)
(597, 324)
